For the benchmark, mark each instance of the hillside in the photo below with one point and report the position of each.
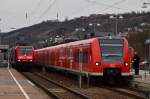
(45, 32)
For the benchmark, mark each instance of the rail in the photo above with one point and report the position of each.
(48, 84)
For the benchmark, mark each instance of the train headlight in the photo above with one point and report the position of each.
(97, 64)
(18, 60)
(30, 60)
(126, 64)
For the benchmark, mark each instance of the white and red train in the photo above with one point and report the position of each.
(21, 55)
(100, 56)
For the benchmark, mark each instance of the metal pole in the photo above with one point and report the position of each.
(116, 26)
(94, 27)
(80, 81)
(8, 60)
(43, 69)
(88, 80)
(145, 74)
(149, 54)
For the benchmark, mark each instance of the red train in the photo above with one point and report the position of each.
(21, 55)
(101, 56)
(132, 52)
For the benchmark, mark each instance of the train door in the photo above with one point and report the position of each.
(44, 57)
(57, 56)
(86, 59)
(65, 58)
(75, 58)
(53, 57)
(49, 57)
(70, 58)
(60, 56)
(80, 60)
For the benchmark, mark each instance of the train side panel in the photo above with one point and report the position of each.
(68, 57)
(126, 66)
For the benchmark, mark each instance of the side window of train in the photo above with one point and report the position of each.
(38, 56)
(43, 56)
(71, 53)
(76, 55)
(49, 57)
(53, 56)
(68, 52)
(61, 52)
(85, 57)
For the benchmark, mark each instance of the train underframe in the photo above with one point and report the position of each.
(23, 67)
(110, 75)
(116, 76)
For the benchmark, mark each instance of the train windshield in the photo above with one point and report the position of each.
(25, 50)
(112, 50)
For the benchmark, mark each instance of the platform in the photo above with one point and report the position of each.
(143, 79)
(13, 85)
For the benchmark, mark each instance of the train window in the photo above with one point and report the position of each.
(71, 53)
(112, 50)
(53, 56)
(49, 58)
(61, 52)
(68, 52)
(85, 57)
(25, 50)
(111, 41)
(76, 56)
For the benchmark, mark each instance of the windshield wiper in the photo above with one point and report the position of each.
(111, 55)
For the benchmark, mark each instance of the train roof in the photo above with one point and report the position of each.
(111, 37)
(86, 41)
(23, 47)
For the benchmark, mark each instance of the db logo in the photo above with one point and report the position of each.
(112, 65)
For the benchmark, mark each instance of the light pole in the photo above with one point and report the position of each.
(116, 18)
(145, 5)
(79, 30)
(94, 26)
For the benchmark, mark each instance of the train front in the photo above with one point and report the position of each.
(25, 54)
(115, 57)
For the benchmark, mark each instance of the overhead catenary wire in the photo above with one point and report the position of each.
(36, 7)
(114, 4)
(103, 4)
(48, 8)
(29, 15)
(98, 3)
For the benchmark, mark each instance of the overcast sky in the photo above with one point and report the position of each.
(13, 12)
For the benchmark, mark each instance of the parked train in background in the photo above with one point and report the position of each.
(98, 57)
(22, 57)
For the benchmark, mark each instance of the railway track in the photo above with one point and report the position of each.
(60, 93)
(54, 89)
(132, 92)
